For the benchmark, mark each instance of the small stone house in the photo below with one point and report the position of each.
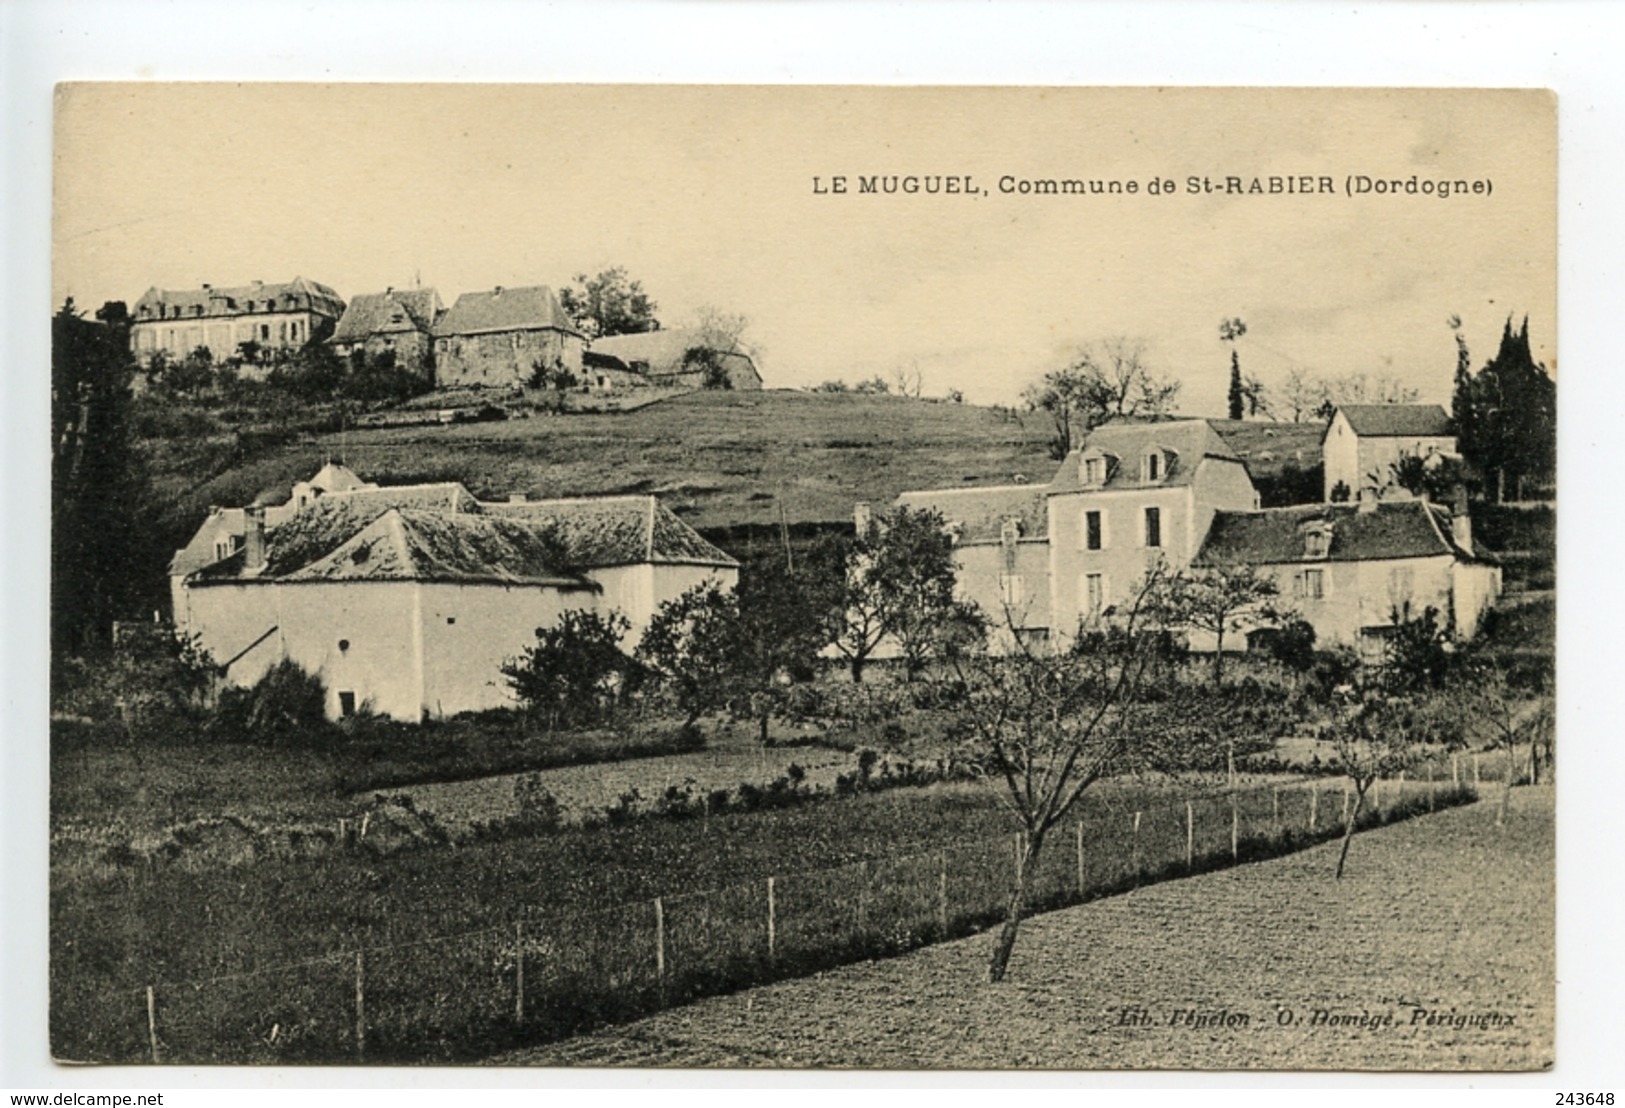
(406, 600)
(500, 338)
(398, 322)
(679, 357)
(1363, 441)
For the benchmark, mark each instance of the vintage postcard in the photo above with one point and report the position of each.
(1011, 578)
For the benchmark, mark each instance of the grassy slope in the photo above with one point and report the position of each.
(720, 458)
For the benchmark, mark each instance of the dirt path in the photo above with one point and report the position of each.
(1443, 915)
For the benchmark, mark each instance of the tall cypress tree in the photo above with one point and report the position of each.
(1229, 331)
(101, 550)
(1511, 417)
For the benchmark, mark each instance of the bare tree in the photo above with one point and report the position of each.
(1106, 380)
(721, 331)
(1377, 736)
(1042, 727)
(1505, 717)
(1302, 396)
(908, 380)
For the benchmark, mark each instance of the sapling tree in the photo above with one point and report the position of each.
(1375, 735)
(1042, 727)
(1219, 600)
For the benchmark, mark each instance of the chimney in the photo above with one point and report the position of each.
(1461, 523)
(254, 539)
(497, 291)
(861, 517)
(1368, 500)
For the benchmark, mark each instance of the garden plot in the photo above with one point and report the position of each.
(587, 790)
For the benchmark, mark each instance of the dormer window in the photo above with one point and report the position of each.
(1094, 471)
(1153, 467)
(1317, 539)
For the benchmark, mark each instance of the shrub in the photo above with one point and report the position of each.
(573, 672)
(287, 706)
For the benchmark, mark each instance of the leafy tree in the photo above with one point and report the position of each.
(1218, 600)
(899, 582)
(572, 665)
(785, 615)
(1436, 478)
(1293, 644)
(1043, 727)
(1417, 654)
(103, 558)
(1231, 330)
(1109, 379)
(689, 648)
(287, 706)
(612, 303)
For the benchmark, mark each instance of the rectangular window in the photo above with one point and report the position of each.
(1092, 470)
(1314, 584)
(1153, 467)
(1153, 527)
(1094, 595)
(1091, 530)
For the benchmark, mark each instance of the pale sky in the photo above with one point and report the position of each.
(707, 196)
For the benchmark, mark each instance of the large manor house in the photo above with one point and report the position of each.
(494, 337)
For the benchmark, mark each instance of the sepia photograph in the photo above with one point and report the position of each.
(803, 577)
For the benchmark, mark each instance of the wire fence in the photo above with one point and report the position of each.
(551, 973)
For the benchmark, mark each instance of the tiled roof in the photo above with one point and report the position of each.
(1268, 447)
(1405, 420)
(377, 313)
(1395, 529)
(615, 531)
(215, 302)
(978, 514)
(440, 532)
(416, 545)
(661, 351)
(1184, 443)
(523, 309)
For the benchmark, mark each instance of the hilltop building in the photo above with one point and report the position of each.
(397, 322)
(406, 600)
(274, 319)
(503, 336)
(680, 357)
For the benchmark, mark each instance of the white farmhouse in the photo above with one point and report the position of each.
(1364, 441)
(406, 600)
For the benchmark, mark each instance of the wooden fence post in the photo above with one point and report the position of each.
(942, 894)
(1082, 885)
(1190, 835)
(1275, 812)
(1455, 771)
(863, 897)
(1134, 848)
(1476, 779)
(152, 1024)
(1235, 829)
(660, 939)
(360, 1006)
(1314, 805)
(519, 972)
(1430, 786)
(772, 922)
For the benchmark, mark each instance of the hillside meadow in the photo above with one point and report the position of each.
(721, 459)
